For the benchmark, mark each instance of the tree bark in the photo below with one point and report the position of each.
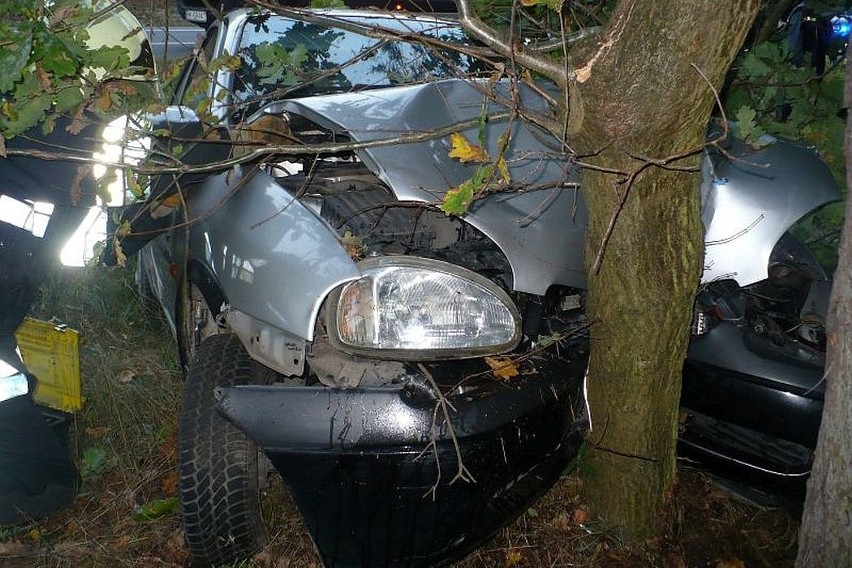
(825, 537)
(639, 97)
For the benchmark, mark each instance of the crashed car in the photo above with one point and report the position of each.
(389, 361)
(414, 377)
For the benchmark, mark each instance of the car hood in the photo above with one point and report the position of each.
(749, 198)
(540, 230)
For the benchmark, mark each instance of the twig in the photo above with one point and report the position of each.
(462, 473)
(599, 447)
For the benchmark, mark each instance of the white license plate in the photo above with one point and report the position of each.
(196, 16)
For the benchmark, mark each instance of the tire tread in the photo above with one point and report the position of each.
(218, 481)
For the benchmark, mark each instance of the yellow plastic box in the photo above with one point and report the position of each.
(52, 353)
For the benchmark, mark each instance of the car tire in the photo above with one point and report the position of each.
(219, 484)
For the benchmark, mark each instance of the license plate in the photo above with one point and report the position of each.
(196, 16)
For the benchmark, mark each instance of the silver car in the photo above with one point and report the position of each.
(416, 377)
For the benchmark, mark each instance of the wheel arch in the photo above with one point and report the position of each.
(203, 278)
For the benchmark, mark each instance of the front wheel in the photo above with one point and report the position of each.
(218, 465)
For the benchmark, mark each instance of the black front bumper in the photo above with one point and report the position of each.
(750, 418)
(374, 471)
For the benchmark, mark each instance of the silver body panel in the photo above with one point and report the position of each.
(276, 260)
(753, 200)
(521, 224)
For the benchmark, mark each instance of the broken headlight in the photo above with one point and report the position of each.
(407, 308)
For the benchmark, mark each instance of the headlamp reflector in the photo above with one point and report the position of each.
(417, 308)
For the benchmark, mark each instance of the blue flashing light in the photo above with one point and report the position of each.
(841, 26)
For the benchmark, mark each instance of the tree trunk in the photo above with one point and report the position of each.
(825, 538)
(640, 100)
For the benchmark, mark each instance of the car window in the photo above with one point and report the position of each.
(282, 57)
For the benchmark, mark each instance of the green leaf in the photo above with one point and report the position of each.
(56, 59)
(769, 98)
(770, 51)
(69, 98)
(110, 59)
(94, 461)
(746, 127)
(13, 59)
(327, 4)
(157, 508)
(756, 67)
(458, 200)
(279, 66)
(27, 115)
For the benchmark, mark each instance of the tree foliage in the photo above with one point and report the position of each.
(51, 67)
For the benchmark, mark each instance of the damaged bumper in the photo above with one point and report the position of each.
(377, 472)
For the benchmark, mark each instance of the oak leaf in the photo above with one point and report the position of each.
(503, 367)
(466, 151)
(457, 200)
(580, 516)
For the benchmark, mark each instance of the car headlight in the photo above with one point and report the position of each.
(407, 308)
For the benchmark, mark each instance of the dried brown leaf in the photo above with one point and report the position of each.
(580, 516)
(503, 367)
(97, 431)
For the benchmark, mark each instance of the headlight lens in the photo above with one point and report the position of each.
(415, 308)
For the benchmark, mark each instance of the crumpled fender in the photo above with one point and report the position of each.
(273, 257)
(750, 201)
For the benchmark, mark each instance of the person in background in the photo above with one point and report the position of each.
(37, 473)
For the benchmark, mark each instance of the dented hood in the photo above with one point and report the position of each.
(539, 229)
(748, 202)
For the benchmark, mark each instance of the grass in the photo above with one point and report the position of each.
(125, 439)
(125, 443)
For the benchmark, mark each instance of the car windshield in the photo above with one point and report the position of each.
(286, 58)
